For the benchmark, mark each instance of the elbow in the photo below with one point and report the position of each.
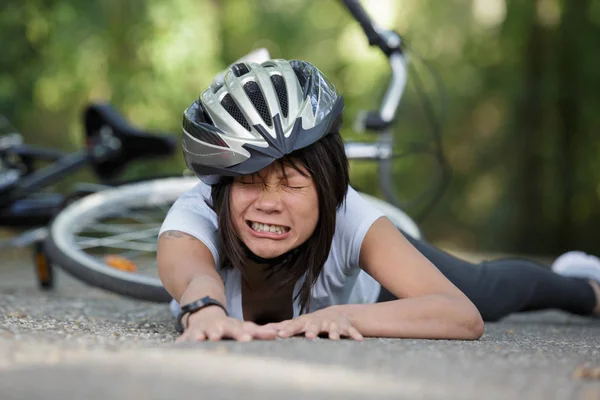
(473, 324)
(464, 318)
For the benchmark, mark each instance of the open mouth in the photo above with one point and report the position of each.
(266, 228)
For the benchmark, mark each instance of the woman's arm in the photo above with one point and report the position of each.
(430, 306)
(187, 269)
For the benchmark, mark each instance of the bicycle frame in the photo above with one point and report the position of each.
(36, 180)
(110, 144)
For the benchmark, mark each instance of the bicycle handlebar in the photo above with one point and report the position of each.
(359, 13)
(392, 97)
(390, 43)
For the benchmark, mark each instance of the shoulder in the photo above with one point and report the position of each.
(354, 218)
(200, 194)
(355, 211)
(192, 214)
(195, 204)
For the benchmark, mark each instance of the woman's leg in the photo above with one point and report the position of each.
(501, 287)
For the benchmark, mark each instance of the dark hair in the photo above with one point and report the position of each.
(326, 162)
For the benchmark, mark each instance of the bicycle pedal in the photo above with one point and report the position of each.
(120, 263)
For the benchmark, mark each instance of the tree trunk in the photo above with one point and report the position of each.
(569, 104)
(528, 234)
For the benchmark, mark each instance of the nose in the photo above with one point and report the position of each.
(269, 200)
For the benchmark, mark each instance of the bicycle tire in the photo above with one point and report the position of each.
(63, 250)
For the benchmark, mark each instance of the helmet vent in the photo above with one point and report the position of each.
(196, 130)
(210, 138)
(314, 97)
(240, 69)
(256, 97)
(233, 110)
(201, 115)
(280, 89)
(301, 80)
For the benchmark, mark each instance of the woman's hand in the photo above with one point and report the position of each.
(212, 324)
(327, 320)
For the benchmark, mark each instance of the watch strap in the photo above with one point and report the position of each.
(195, 306)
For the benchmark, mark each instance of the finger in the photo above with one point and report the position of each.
(214, 333)
(189, 336)
(236, 331)
(243, 337)
(265, 333)
(354, 333)
(312, 331)
(259, 332)
(334, 331)
(275, 325)
(322, 327)
(193, 335)
(292, 328)
(184, 337)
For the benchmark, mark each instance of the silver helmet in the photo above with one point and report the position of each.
(256, 114)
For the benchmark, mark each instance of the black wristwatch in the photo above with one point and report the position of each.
(196, 306)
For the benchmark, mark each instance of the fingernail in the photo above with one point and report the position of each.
(246, 338)
(281, 333)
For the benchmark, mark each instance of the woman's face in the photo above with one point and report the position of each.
(274, 212)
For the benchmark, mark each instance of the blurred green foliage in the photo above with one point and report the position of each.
(522, 86)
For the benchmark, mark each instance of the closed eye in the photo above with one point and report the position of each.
(250, 182)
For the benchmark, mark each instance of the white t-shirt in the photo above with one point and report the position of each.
(341, 281)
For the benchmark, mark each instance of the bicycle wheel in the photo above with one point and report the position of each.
(108, 239)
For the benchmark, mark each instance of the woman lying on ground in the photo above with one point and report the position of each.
(273, 242)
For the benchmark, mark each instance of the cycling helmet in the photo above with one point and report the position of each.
(256, 114)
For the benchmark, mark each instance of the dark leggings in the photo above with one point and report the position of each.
(501, 287)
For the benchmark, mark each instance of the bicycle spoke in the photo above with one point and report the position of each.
(118, 239)
(147, 247)
(116, 228)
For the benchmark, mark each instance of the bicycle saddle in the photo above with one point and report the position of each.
(101, 120)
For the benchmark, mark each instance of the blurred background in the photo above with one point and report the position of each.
(521, 85)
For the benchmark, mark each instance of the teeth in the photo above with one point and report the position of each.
(268, 228)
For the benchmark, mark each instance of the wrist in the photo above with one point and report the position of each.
(345, 310)
(195, 307)
(207, 312)
(338, 309)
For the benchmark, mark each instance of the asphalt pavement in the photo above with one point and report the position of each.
(79, 342)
